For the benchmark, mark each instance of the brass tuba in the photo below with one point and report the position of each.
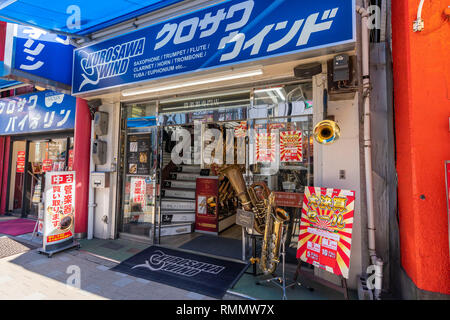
(327, 132)
(252, 199)
(273, 236)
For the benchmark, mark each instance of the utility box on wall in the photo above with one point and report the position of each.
(99, 152)
(100, 179)
(101, 123)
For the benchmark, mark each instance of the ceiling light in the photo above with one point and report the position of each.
(231, 76)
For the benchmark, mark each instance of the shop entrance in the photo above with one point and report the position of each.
(30, 159)
(197, 136)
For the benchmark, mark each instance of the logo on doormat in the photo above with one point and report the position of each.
(159, 261)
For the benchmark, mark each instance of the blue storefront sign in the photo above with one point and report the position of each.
(37, 112)
(39, 56)
(43, 54)
(229, 33)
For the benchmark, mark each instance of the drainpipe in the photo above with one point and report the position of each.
(92, 204)
(377, 262)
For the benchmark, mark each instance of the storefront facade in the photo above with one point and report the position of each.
(37, 135)
(247, 67)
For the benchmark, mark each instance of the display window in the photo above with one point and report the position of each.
(31, 159)
(174, 151)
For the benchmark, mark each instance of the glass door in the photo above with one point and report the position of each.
(139, 167)
(30, 161)
(281, 145)
(16, 182)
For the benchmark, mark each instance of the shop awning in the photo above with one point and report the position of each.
(5, 84)
(95, 15)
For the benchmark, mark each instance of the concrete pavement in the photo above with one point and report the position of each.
(75, 275)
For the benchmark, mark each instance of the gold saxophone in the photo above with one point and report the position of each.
(252, 199)
(273, 233)
(269, 220)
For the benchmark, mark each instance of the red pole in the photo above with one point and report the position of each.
(4, 169)
(422, 109)
(82, 138)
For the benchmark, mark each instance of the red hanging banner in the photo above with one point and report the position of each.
(20, 163)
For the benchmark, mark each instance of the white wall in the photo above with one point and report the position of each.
(105, 199)
(341, 155)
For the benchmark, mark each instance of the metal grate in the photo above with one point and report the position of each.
(9, 247)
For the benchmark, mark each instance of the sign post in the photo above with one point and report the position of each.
(59, 212)
(326, 232)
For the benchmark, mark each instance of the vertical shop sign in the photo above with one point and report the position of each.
(20, 167)
(265, 147)
(326, 229)
(206, 199)
(59, 208)
(291, 146)
(70, 161)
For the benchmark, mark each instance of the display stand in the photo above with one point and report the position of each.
(342, 288)
(34, 230)
(50, 253)
(280, 281)
(254, 260)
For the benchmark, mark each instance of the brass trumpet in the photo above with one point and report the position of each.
(327, 132)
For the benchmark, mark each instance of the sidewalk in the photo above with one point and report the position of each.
(31, 275)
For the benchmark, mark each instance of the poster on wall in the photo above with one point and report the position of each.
(265, 147)
(138, 191)
(291, 146)
(240, 131)
(326, 229)
(20, 166)
(138, 154)
(59, 209)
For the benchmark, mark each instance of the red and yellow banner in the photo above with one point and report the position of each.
(291, 146)
(326, 229)
(265, 147)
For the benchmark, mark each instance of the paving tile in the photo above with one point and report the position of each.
(64, 258)
(35, 296)
(40, 262)
(195, 296)
(123, 282)
(102, 268)
(143, 281)
(4, 279)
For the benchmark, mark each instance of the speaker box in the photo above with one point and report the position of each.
(306, 71)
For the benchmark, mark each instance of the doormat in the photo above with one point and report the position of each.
(192, 272)
(9, 247)
(218, 246)
(17, 226)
